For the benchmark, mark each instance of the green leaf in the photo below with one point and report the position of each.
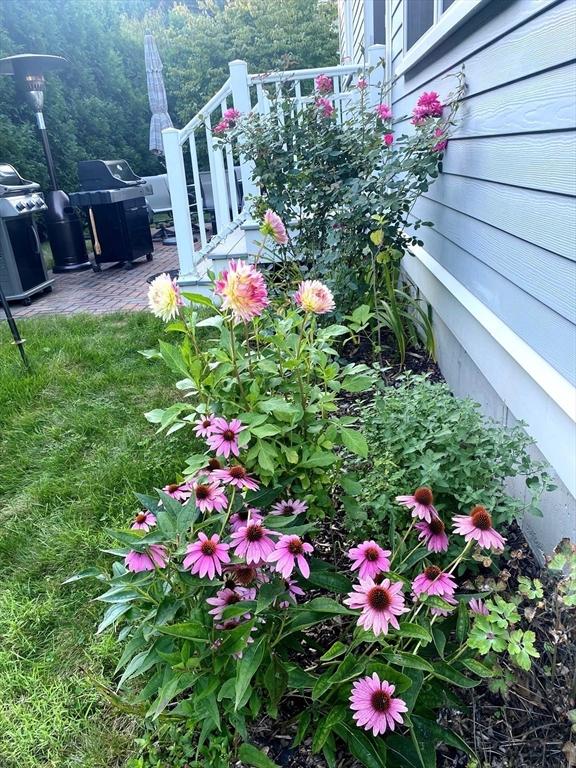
(410, 660)
(255, 757)
(303, 724)
(408, 629)
(328, 579)
(399, 679)
(326, 605)
(354, 441)
(87, 573)
(248, 666)
(189, 630)
(434, 733)
(198, 298)
(462, 622)
(238, 609)
(357, 383)
(478, 668)
(299, 679)
(445, 672)
(112, 615)
(326, 725)
(335, 650)
(173, 358)
(266, 430)
(370, 752)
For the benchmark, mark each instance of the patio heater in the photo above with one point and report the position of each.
(64, 226)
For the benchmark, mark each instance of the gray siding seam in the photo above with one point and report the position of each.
(469, 54)
(504, 183)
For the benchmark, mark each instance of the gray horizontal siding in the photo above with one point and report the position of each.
(503, 207)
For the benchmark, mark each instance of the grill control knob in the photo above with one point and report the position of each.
(19, 206)
(38, 202)
(29, 204)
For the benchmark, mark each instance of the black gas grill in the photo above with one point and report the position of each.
(22, 269)
(113, 198)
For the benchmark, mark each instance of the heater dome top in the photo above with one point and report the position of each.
(30, 64)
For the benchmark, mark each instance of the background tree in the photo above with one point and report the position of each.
(98, 106)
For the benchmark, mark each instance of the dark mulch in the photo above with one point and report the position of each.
(523, 725)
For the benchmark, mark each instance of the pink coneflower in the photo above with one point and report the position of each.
(274, 227)
(253, 542)
(204, 425)
(290, 551)
(224, 437)
(179, 491)
(144, 521)
(441, 145)
(478, 607)
(362, 84)
(421, 503)
(375, 708)
(428, 105)
(226, 597)
(384, 112)
(289, 507)
(292, 592)
(388, 139)
(477, 526)
(210, 497)
(156, 556)
(433, 581)
(323, 84)
(244, 575)
(433, 534)
(243, 291)
(370, 559)
(240, 519)
(237, 476)
(380, 604)
(205, 556)
(314, 296)
(325, 107)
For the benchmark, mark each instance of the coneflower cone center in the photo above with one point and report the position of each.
(173, 487)
(380, 701)
(255, 533)
(244, 575)
(228, 435)
(202, 492)
(141, 517)
(481, 519)
(371, 554)
(208, 548)
(238, 473)
(242, 514)
(295, 547)
(232, 598)
(423, 495)
(214, 464)
(432, 572)
(206, 423)
(379, 599)
(288, 509)
(436, 526)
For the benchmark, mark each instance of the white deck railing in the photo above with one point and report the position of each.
(226, 164)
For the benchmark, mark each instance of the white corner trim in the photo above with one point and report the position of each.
(452, 18)
(559, 389)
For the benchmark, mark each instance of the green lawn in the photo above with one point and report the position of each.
(73, 447)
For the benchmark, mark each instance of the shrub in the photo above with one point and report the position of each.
(420, 434)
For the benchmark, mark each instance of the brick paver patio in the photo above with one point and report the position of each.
(108, 291)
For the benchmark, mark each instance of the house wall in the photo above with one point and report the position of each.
(505, 221)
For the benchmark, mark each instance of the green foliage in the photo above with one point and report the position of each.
(420, 434)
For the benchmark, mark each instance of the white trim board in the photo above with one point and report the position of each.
(529, 386)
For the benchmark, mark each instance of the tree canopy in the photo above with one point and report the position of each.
(98, 105)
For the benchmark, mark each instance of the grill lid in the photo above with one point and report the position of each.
(107, 174)
(11, 183)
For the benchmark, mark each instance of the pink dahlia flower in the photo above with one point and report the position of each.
(388, 139)
(380, 604)
(375, 708)
(477, 526)
(226, 597)
(289, 507)
(237, 476)
(253, 543)
(156, 556)
(384, 112)
(323, 84)
(243, 291)
(292, 592)
(210, 497)
(179, 491)
(325, 107)
(290, 552)
(478, 607)
(314, 296)
(245, 515)
(441, 145)
(203, 426)
(144, 521)
(428, 105)
(274, 227)
(433, 534)
(421, 503)
(433, 581)
(224, 437)
(370, 559)
(206, 555)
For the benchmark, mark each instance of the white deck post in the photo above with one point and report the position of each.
(241, 97)
(375, 60)
(179, 198)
